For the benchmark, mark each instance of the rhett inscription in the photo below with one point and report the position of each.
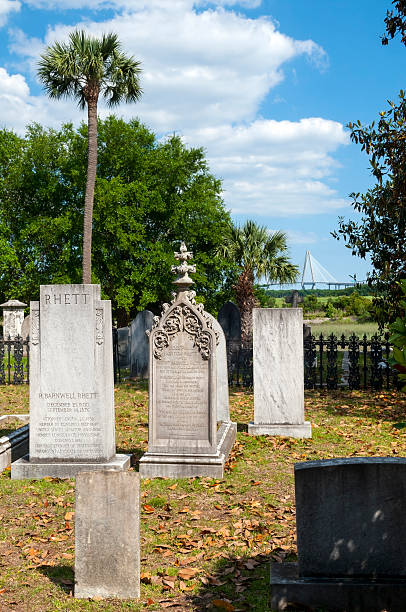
(67, 299)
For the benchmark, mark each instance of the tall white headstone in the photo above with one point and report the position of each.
(71, 385)
(278, 373)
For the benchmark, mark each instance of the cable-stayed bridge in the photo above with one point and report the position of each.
(314, 274)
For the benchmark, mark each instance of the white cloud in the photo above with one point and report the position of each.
(276, 168)
(18, 108)
(203, 68)
(6, 7)
(295, 237)
(205, 75)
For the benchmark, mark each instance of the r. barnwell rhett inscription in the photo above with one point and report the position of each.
(71, 385)
(183, 437)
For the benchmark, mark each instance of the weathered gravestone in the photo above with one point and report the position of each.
(351, 537)
(223, 409)
(71, 385)
(294, 298)
(123, 339)
(278, 373)
(107, 535)
(183, 437)
(139, 343)
(25, 328)
(230, 320)
(13, 317)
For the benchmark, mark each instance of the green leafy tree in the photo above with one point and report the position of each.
(257, 254)
(398, 338)
(149, 195)
(84, 68)
(395, 22)
(381, 232)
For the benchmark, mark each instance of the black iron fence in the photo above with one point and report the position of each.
(14, 361)
(358, 363)
(329, 362)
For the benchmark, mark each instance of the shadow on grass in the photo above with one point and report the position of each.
(61, 575)
(382, 405)
(240, 583)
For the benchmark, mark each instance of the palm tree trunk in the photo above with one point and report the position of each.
(246, 300)
(89, 195)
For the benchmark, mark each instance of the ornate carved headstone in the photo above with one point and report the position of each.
(13, 317)
(71, 385)
(139, 344)
(183, 437)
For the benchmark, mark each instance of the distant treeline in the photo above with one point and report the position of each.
(360, 289)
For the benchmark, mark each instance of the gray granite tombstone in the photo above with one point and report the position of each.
(223, 409)
(278, 373)
(184, 440)
(230, 320)
(351, 537)
(294, 298)
(71, 385)
(139, 344)
(123, 339)
(13, 317)
(107, 535)
(25, 328)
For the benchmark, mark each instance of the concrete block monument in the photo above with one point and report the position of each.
(184, 440)
(13, 317)
(351, 537)
(71, 385)
(107, 535)
(278, 373)
(139, 345)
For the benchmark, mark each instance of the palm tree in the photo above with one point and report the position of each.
(84, 68)
(258, 254)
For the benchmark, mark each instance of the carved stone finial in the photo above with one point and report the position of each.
(183, 280)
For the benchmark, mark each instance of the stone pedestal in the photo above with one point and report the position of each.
(71, 385)
(107, 535)
(351, 537)
(13, 317)
(278, 373)
(183, 437)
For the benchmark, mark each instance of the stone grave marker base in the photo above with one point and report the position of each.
(335, 594)
(24, 469)
(189, 465)
(289, 430)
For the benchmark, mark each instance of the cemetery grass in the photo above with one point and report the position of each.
(205, 543)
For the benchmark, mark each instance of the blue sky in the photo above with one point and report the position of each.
(266, 88)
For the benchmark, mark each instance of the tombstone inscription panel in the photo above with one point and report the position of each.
(182, 392)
